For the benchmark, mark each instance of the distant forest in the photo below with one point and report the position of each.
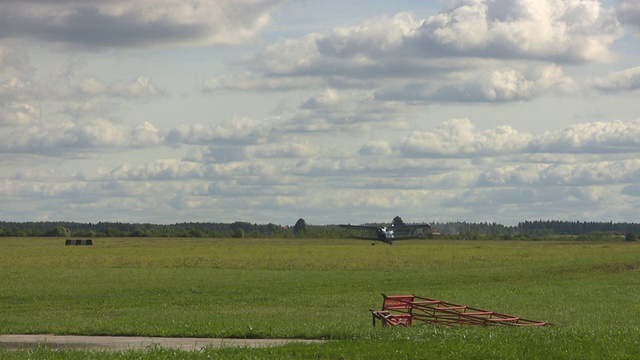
(468, 230)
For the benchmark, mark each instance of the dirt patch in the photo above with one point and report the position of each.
(120, 343)
(618, 268)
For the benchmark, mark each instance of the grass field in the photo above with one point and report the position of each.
(261, 288)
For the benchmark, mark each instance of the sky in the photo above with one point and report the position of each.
(268, 111)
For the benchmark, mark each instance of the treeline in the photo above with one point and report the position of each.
(238, 229)
(451, 230)
(469, 228)
(116, 229)
(581, 230)
(576, 227)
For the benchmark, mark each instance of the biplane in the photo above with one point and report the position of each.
(389, 233)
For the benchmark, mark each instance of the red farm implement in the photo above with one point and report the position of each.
(406, 310)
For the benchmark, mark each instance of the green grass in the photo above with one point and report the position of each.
(323, 289)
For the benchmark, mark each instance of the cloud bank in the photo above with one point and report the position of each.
(118, 23)
(173, 110)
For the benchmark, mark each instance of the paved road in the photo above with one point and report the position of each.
(118, 343)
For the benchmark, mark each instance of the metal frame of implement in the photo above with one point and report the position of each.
(405, 310)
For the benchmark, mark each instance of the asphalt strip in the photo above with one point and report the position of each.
(120, 343)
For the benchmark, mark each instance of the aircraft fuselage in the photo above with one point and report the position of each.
(385, 235)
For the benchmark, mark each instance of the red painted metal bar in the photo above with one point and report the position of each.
(404, 310)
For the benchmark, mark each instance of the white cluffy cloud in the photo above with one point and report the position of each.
(574, 31)
(501, 85)
(454, 162)
(141, 88)
(623, 81)
(96, 136)
(472, 51)
(629, 12)
(19, 114)
(136, 23)
(459, 138)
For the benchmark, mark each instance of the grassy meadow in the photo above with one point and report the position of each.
(301, 288)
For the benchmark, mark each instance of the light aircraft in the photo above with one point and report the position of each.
(395, 231)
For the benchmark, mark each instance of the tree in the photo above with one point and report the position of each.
(397, 221)
(140, 232)
(630, 236)
(112, 232)
(60, 231)
(238, 233)
(300, 227)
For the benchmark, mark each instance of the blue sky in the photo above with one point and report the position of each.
(334, 111)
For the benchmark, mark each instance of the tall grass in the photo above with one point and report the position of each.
(324, 289)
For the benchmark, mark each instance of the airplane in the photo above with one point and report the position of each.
(395, 231)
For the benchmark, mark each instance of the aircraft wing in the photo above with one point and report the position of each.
(363, 232)
(363, 227)
(410, 230)
(403, 226)
(388, 233)
(411, 226)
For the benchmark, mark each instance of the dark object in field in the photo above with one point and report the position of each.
(79, 242)
(405, 310)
